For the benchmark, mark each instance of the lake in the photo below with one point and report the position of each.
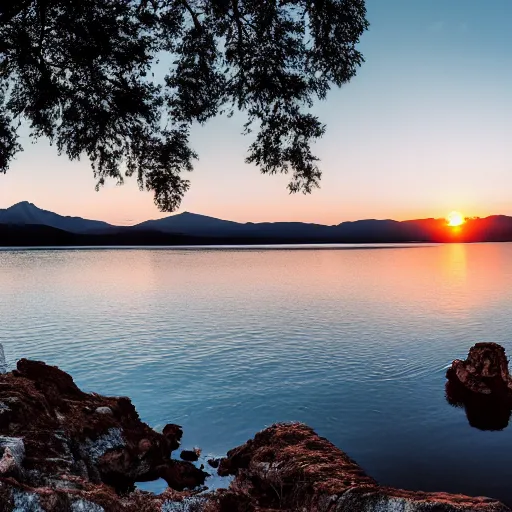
(353, 341)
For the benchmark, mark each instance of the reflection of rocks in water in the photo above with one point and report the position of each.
(484, 413)
(483, 386)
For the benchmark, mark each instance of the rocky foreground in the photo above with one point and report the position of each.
(65, 450)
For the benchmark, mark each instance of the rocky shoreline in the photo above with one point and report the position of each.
(65, 450)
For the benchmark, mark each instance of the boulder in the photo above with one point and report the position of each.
(12, 454)
(173, 433)
(484, 372)
(482, 385)
(190, 455)
(289, 467)
(214, 463)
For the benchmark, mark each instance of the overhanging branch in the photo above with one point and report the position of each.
(197, 23)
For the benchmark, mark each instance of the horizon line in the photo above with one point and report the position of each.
(174, 214)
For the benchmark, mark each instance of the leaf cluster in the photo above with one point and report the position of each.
(80, 73)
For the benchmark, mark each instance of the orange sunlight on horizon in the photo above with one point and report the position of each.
(455, 219)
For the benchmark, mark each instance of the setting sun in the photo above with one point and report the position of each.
(455, 219)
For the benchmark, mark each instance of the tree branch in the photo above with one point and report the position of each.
(42, 20)
(240, 28)
(197, 24)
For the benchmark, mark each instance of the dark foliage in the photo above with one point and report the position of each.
(80, 73)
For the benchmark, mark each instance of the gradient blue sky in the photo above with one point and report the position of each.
(425, 128)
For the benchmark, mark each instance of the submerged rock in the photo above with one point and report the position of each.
(482, 385)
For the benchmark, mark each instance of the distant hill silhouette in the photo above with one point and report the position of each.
(26, 225)
(27, 213)
(190, 223)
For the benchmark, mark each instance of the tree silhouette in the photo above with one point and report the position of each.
(79, 72)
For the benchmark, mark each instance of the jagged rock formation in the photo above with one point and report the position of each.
(482, 385)
(289, 467)
(63, 450)
(69, 444)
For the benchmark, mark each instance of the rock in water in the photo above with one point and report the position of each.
(484, 372)
(190, 455)
(173, 434)
(483, 386)
(214, 463)
(289, 467)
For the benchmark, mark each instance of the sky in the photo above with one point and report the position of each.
(423, 129)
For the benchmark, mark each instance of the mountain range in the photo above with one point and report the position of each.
(24, 224)
(26, 213)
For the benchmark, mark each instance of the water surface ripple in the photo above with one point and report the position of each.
(225, 342)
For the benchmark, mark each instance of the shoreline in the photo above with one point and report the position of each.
(65, 450)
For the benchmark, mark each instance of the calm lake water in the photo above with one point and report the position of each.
(225, 342)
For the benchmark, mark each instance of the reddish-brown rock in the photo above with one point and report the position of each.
(485, 371)
(482, 385)
(57, 439)
(289, 467)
